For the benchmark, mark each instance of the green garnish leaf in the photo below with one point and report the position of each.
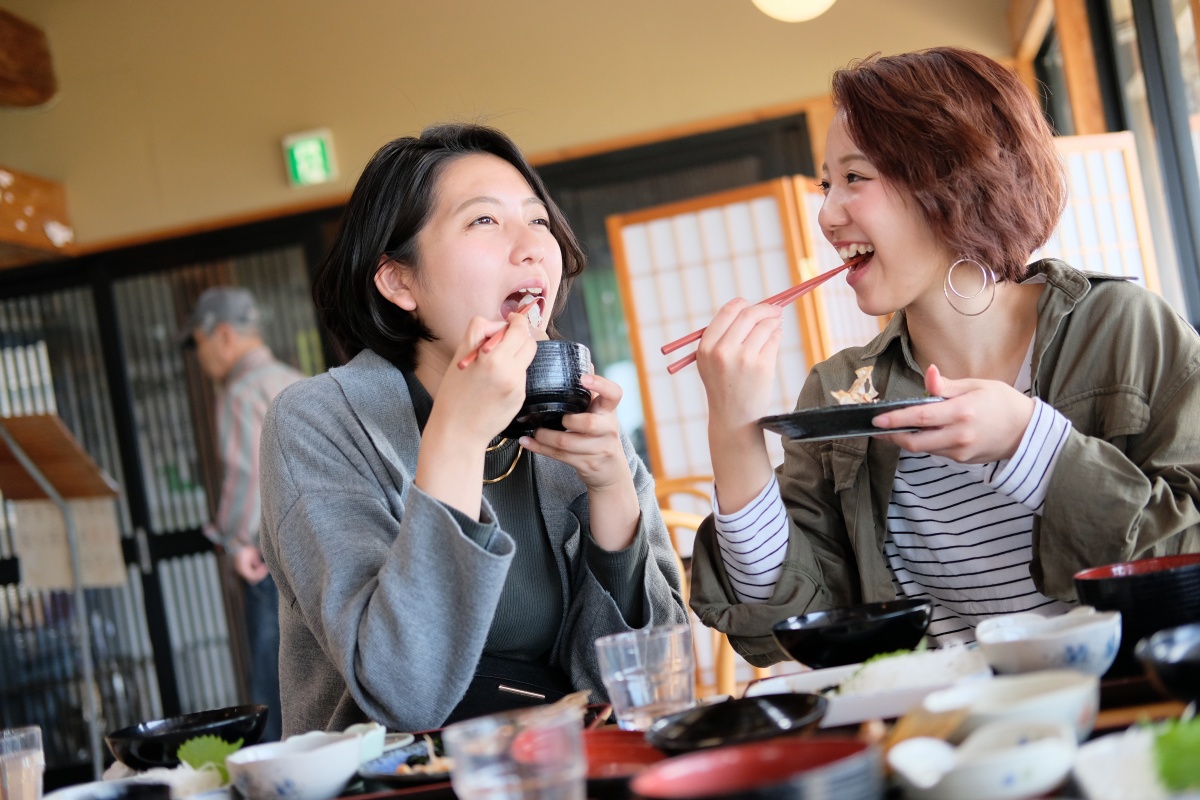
(1177, 755)
(208, 749)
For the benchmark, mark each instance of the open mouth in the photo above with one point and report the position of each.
(858, 254)
(522, 299)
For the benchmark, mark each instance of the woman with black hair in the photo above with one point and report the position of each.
(418, 553)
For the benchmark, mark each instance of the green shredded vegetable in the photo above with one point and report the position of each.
(1177, 754)
(201, 750)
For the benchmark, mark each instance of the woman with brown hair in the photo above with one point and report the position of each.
(1069, 433)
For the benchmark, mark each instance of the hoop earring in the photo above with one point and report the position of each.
(989, 277)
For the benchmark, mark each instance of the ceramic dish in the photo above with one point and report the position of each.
(1081, 639)
(929, 671)
(1172, 660)
(153, 744)
(302, 768)
(838, 422)
(777, 769)
(1120, 766)
(383, 769)
(737, 721)
(613, 757)
(1052, 696)
(1000, 761)
(853, 634)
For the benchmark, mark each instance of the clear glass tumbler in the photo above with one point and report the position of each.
(649, 673)
(21, 763)
(531, 754)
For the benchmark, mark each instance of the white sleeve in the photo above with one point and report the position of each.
(1026, 476)
(753, 542)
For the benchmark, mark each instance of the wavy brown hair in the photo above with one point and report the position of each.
(967, 140)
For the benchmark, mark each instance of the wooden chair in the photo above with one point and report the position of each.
(724, 659)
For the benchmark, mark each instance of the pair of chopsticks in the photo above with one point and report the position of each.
(492, 340)
(781, 299)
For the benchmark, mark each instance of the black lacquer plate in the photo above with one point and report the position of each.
(839, 422)
(736, 721)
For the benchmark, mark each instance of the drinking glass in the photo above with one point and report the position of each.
(649, 673)
(21, 763)
(531, 754)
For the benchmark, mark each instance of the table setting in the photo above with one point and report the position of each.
(1060, 707)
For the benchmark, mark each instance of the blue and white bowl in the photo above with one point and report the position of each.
(301, 768)
(1083, 639)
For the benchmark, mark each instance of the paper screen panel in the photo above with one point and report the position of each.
(1105, 227)
(845, 324)
(677, 265)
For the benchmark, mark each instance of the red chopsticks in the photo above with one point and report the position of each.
(781, 299)
(492, 340)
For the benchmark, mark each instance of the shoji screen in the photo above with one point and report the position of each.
(676, 265)
(1105, 227)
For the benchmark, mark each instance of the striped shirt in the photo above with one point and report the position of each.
(252, 385)
(960, 534)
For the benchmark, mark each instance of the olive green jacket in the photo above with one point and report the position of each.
(1113, 358)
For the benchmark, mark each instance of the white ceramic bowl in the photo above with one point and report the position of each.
(1081, 639)
(301, 768)
(1003, 760)
(1053, 696)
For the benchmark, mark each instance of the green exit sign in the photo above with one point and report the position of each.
(309, 157)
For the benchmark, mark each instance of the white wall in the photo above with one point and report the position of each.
(170, 112)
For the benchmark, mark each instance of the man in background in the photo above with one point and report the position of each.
(224, 330)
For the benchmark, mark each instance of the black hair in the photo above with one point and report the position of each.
(390, 204)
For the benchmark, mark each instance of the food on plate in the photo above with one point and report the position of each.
(427, 764)
(1177, 754)
(861, 391)
(903, 670)
(203, 751)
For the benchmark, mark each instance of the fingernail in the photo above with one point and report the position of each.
(524, 441)
(881, 421)
(587, 379)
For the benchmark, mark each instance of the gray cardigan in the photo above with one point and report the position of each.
(385, 602)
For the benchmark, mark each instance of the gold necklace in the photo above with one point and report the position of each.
(511, 467)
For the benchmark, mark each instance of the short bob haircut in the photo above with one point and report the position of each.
(967, 140)
(391, 203)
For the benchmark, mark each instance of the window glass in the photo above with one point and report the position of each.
(1137, 112)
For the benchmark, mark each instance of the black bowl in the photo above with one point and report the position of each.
(782, 769)
(1172, 661)
(853, 634)
(746, 719)
(154, 744)
(553, 387)
(1151, 594)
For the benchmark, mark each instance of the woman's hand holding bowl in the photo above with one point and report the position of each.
(981, 420)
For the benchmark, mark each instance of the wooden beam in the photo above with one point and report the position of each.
(26, 71)
(1079, 66)
(33, 219)
(1028, 23)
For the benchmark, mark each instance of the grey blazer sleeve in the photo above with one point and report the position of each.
(381, 576)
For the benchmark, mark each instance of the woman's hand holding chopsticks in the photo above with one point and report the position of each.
(784, 298)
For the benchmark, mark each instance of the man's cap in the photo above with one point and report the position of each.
(219, 304)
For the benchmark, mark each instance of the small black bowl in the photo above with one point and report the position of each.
(746, 719)
(154, 744)
(849, 635)
(1151, 594)
(1172, 661)
(553, 387)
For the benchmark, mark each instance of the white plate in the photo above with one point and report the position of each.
(1120, 766)
(852, 708)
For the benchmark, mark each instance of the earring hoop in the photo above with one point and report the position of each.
(948, 287)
